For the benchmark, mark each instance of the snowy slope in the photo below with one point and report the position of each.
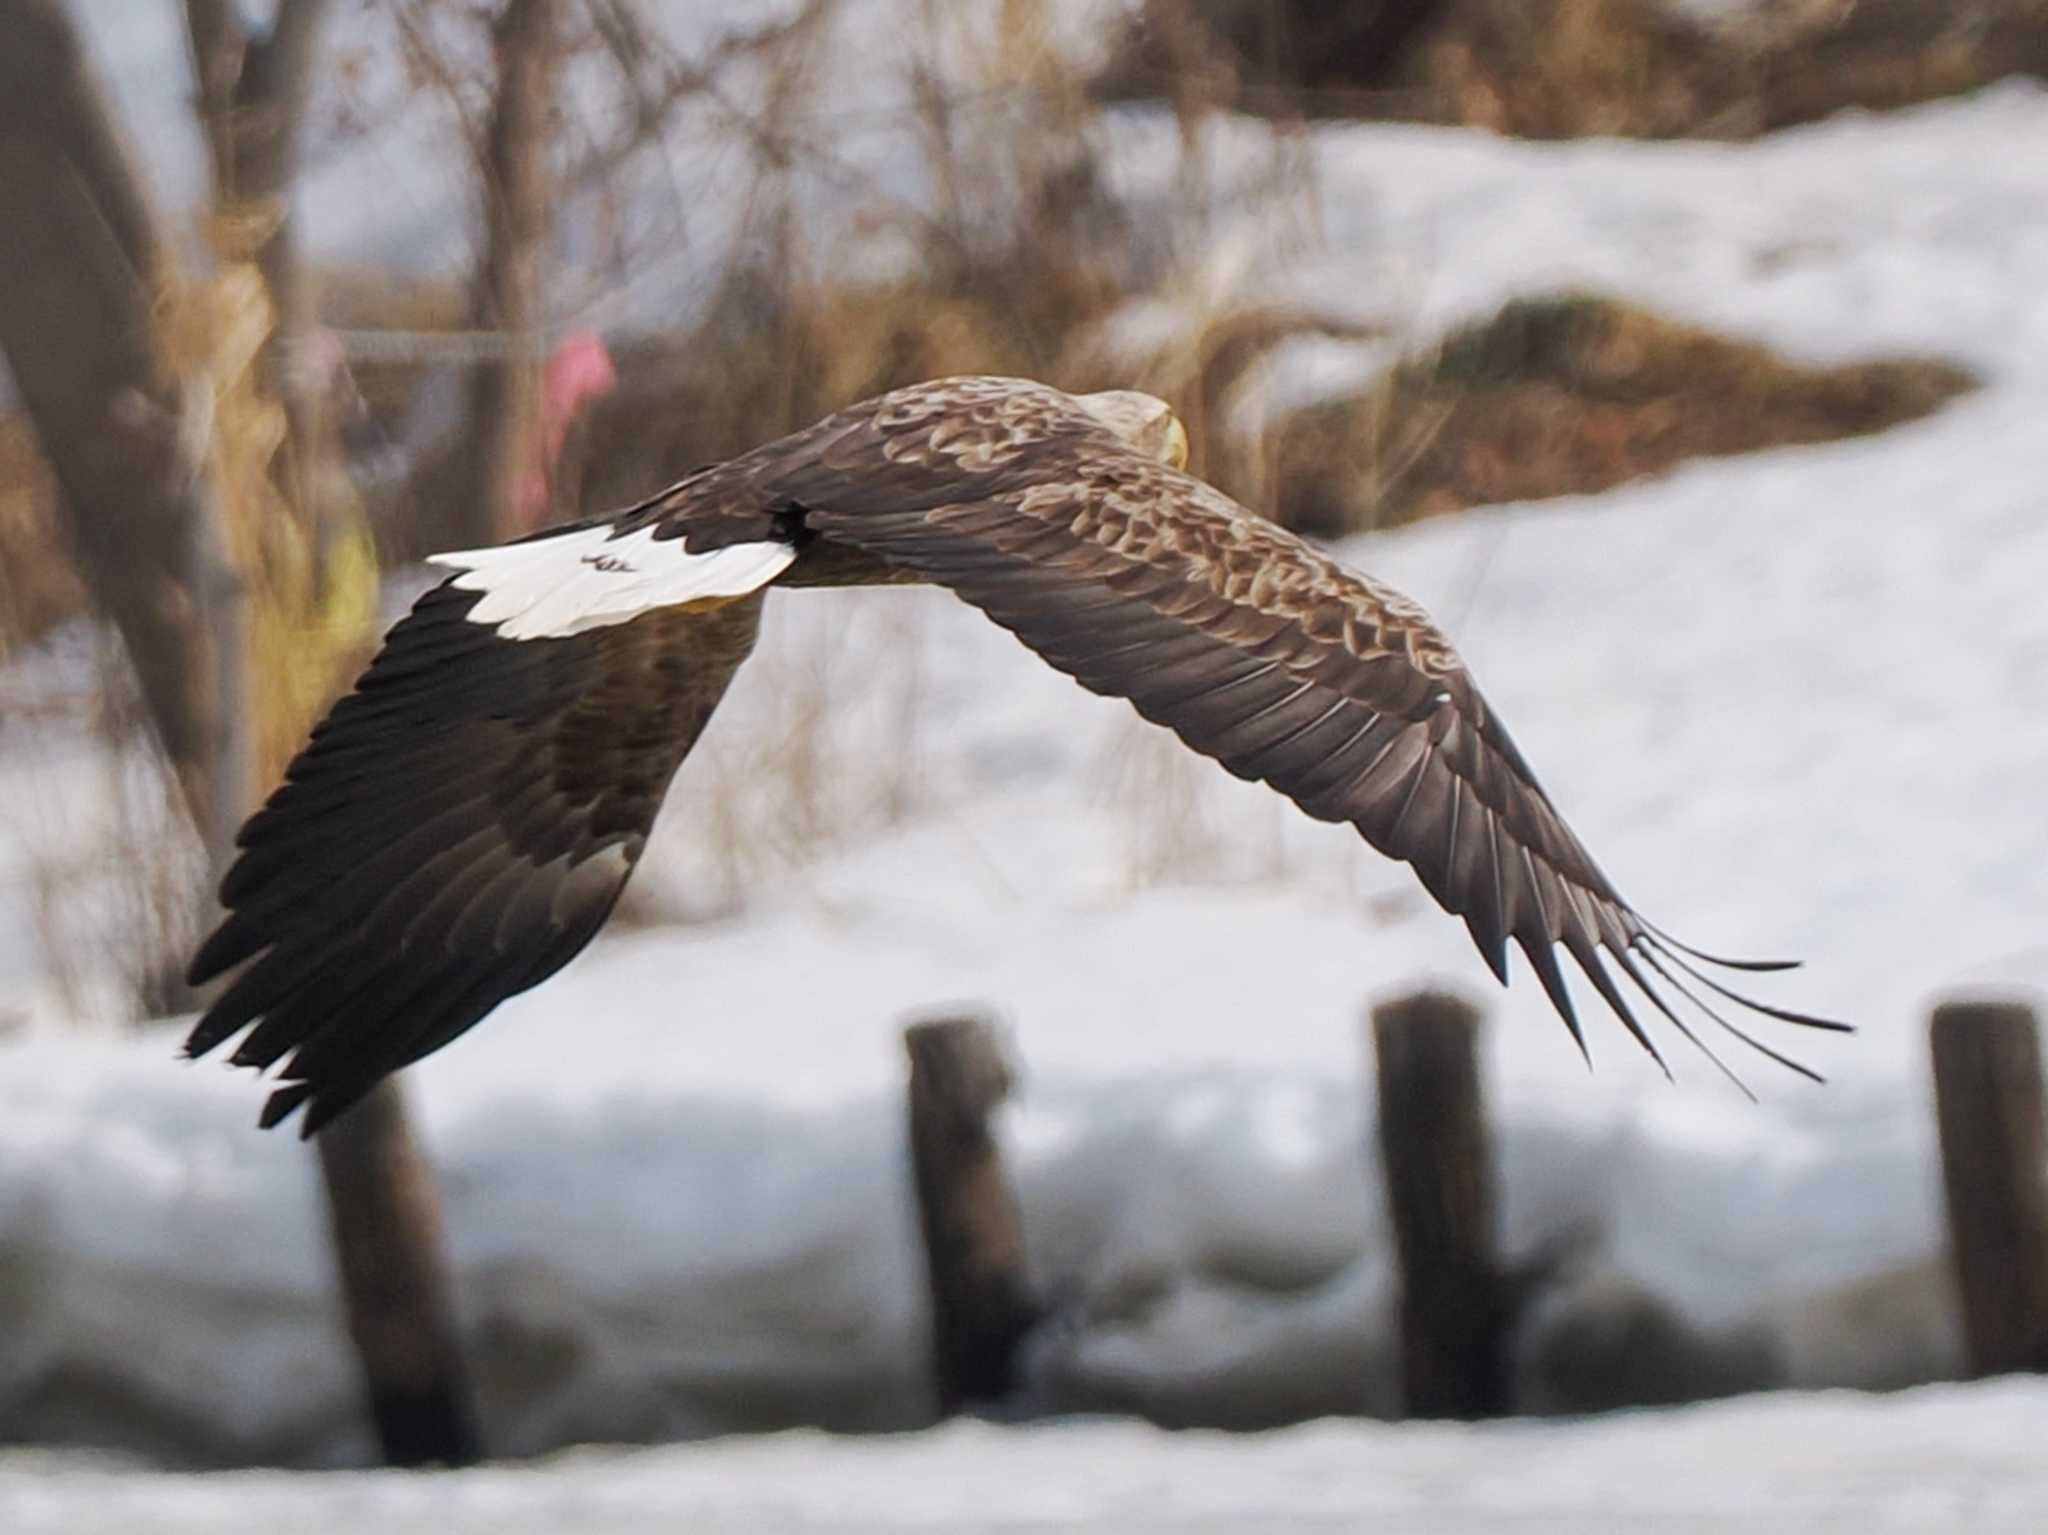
(1942, 1458)
(1796, 703)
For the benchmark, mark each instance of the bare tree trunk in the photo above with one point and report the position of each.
(1994, 1148)
(1438, 1156)
(82, 268)
(982, 1305)
(252, 105)
(383, 1203)
(505, 395)
(384, 1210)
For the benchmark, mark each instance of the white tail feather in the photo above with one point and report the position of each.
(549, 588)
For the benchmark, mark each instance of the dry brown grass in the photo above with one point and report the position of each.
(38, 586)
(1570, 395)
(1023, 249)
(1571, 68)
(740, 379)
(308, 610)
(1566, 68)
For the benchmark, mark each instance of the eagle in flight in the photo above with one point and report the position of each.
(461, 824)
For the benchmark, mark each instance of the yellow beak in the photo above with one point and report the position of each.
(1176, 444)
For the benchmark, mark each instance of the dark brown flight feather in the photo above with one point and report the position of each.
(456, 830)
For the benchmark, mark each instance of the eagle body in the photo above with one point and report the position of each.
(463, 822)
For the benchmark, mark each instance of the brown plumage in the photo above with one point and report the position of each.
(461, 825)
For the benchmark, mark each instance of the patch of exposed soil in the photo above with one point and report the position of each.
(1570, 395)
(1552, 69)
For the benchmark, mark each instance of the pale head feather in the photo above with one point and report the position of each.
(1143, 420)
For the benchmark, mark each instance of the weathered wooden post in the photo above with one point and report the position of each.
(974, 1248)
(1439, 1176)
(1994, 1163)
(386, 1219)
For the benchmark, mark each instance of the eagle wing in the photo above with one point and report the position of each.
(1145, 583)
(456, 830)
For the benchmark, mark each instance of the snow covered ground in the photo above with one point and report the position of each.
(1940, 1458)
(1797, 703)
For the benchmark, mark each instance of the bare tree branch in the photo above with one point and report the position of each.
(252, 102)
(505, 396)
(217, 45)
(82, 267)
(655, 99)
(424, 59)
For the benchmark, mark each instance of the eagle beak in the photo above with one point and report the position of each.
(1176, 443)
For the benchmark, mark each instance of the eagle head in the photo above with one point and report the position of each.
(1144, 421)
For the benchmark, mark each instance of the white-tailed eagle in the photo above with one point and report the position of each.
(462, 823)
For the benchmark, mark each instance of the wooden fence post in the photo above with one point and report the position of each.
(1994, 1164)
(385, 1215)
(974, 1249)
(1439, 1177)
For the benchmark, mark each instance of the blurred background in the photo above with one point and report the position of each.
(1687, 359)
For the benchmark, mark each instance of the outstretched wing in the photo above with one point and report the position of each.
(456, 830)
(1145, 583)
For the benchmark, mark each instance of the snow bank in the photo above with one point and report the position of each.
(1796, 702)
(1941, 1458)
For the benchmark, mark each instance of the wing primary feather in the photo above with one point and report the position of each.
(279, 1105)
(1258, 764)
(1492, 947)
(437, 1003)
(1333, 771)
(1105, 644)
(1782, 1014)
(1650, 956)
(1543, 958)
(1185, 678)
(1450, 862)
(1588, 956)
(1362, 776)
(1128, 649)
(1634, 972)
(231, 1013)
(1325, 790)
(338, 1051)
(1262, 714)
(284, 967)
(1757, 966)
(1551, 929)
(1208, 689)
(293, 1028)
(1493, 937)
(1417, 775)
